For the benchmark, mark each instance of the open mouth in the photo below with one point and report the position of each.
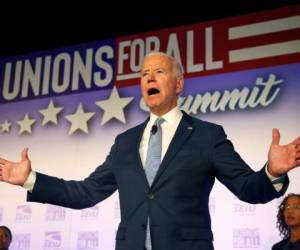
(153, 91)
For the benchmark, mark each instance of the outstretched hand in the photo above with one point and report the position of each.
(15, 172)
(283, 158)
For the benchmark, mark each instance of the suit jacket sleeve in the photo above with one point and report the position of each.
(236, 175)
(76, 194)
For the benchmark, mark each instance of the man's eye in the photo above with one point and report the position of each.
(144, 74)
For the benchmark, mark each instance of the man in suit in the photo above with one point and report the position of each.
(172, 208)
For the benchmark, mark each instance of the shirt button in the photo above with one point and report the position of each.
(151, 196)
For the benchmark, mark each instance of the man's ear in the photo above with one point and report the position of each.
(179, 84)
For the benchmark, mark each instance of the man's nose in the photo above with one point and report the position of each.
(151, 78)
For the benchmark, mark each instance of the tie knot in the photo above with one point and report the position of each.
(159, 121)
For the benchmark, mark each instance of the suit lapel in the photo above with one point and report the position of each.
(183, 132)
(136, 142)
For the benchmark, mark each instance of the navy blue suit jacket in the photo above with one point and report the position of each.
(177, 201)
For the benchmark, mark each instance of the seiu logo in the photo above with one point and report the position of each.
(244, 209)
(87, 240)
(55, 213)
(52, 240)
(23, 213)
(246, 238)
(20, 242)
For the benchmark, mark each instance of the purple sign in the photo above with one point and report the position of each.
(55, 213)
(20, 242)
(246, 238)
(244, 209)
(52, 240)
(88, 240)
(23, 213)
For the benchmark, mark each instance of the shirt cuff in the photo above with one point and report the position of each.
(29, 183)
(276, 181)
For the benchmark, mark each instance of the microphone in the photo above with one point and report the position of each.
(154, 129)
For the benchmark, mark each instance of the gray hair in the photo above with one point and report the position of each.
(178, 66)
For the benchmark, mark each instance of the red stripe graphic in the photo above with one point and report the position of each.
(250, 41)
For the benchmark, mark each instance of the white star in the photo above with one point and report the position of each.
(25, 124)
(5, 126)
(114, 107)
(50, 113)
(79, 120)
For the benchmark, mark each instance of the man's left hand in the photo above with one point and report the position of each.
(282, 158)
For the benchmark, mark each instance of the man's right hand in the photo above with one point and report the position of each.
(15, 172)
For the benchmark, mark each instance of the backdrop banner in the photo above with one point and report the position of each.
(67, 105)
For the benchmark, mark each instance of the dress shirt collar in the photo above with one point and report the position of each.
(172, 117)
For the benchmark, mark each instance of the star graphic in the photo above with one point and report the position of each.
(5, 126)
(79, 120)
(50, 113)
(114, 107)
(25, 124)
